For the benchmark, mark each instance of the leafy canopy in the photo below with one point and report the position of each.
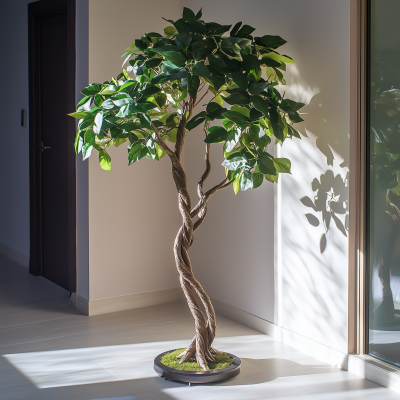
(167, 76)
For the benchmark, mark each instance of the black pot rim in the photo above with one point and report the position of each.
(196, 376)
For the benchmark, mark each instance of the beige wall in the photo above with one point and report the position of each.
(257, 251)
(133, 214)
(278, 272)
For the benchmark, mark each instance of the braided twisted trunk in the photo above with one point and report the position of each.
(200, 346)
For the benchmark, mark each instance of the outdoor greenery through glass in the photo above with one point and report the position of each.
(166, 70)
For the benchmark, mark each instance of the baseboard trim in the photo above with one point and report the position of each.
(14, 255)
(128, 302)
(364, 366)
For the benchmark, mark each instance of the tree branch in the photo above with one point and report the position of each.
(180, 134)
(161, 142)
(203, 201)
(202, 97)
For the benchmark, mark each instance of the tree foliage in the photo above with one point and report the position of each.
(167, 75)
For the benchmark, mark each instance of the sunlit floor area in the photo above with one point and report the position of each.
(50, 351)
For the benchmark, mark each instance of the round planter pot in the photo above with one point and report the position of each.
(196, 376)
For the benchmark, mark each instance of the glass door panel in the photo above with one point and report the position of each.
(383, 163)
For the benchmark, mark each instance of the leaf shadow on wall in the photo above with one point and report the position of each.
(331, 202)
(331, 199)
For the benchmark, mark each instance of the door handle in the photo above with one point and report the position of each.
(41, 147)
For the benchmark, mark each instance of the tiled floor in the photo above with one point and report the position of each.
(52, 352)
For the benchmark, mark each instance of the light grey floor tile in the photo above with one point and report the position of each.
(49, 351)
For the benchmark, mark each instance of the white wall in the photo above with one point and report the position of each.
(133, 214)
(234, 250)
(14, 160)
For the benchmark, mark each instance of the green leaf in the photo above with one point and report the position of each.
(105, 160)
(160, 99)
(230, 46)
(183, 40)
(282, 165)
(271, 178)
(196, 120)
(235, 162)
(216, 29)
(270, 41)
(201, 49)
(123, 111)
(118, 142)
(87, 151)
(176, 58)
(119, 100)
(250, 62)
(110, 89)
(78, 143)
(201, 70)
(251, 180)
(236, 183)
(231, 140)
(269, 62)
(144, 121)
(89, 137)
(188, 14)
(236, 117)
(92, 89)
(265, 164)
(241, 110)
(79, 114)
(240, 79)
(159, 79)
(141, 107)
(199, 14)
(256, 88)
(279, 57)
(193, 83)
(136, 152)
(217, 62)
(83, 101)
(255, 115)
(260, 104)
(217, 134)
(148, 90)
(290, 106)
(259, 137)
(235, 29)
(214, 111)
(169, 68)
(162, 48)
(238, 98)
(140, 44)
(277, 129)
(218, 99)
(170, 31)
(182, 26)
(198, 27)
(245, 31)
(98, 121)
(153, 62)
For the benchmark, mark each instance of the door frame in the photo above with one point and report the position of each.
(357, 278)
(36, 11)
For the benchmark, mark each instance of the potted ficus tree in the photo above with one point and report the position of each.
(195, 74)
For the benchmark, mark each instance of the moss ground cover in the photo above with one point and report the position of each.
(172, 360)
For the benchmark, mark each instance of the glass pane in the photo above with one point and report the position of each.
(383, 178)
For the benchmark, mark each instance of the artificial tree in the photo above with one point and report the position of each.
(195, 65)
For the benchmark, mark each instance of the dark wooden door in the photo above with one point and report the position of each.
(52, 161)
